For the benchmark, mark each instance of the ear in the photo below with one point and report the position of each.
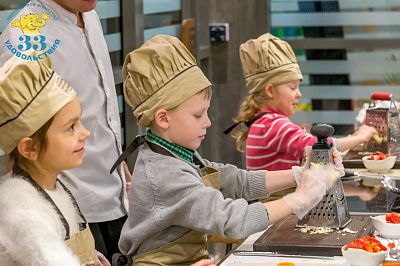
(161, 118)
(269, 91)
(27, 149)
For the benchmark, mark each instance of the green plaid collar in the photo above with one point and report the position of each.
(180, 151)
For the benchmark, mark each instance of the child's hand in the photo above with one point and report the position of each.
(101, 260)
(338, 161)
(365, 133)
(310, 191)
(299, 170)
(206, 262)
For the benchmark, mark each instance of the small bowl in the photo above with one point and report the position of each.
(385, 229)
(360, 257)
(379, 165)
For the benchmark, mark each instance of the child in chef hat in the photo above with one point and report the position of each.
(271, 141)
(177, 197)
(42, 134)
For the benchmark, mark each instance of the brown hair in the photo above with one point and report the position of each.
(39, 139)
(248, 108)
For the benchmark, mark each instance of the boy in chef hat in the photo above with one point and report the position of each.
(177, 197)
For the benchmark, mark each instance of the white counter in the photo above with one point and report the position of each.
(251, 260)
(247, 245)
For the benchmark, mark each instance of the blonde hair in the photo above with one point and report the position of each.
(248, 108)
(206, 92)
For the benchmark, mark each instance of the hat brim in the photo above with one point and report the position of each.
(280, 75)
(172, 94)
(50, 99)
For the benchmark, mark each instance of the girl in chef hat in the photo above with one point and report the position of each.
(42, 134)
(271, 141)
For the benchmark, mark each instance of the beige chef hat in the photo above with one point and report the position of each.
(30, 94)
(162, 73)
(268, 60)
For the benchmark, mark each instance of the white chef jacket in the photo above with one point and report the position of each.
(80, 57)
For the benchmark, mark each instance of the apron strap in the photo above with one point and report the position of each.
(247, 123)
(81, 225)
(161, 150)
(140, 140)
(25, 176)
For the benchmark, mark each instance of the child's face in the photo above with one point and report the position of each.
(187, 124)
(286, 97)
(65, 140)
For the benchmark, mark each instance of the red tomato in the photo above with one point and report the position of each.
(367, 243)
(393, 218)
(378, 156)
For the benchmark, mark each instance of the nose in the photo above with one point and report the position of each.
(208, 122)
(299, 94)
(85, 133)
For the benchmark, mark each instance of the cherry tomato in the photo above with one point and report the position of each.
(393, 218)
(379, 156)
(367, 243)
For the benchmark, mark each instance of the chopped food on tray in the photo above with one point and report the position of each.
(348, 230)
(315, 230)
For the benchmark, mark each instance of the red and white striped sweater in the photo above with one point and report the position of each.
(276, 143)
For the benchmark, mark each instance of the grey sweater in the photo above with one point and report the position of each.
(168, 199)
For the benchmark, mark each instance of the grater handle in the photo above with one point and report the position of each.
(383, 96)
(322, 132)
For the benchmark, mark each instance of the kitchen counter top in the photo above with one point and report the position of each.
(247, 245)
(366, 196)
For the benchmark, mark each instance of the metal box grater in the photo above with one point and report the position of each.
(332, 211)
(387, 123)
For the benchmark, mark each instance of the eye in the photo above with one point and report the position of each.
(197, 116)
(72, 127)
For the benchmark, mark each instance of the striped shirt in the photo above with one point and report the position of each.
(275, 143)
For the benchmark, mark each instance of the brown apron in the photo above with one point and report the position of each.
(81, 243)
(192, 246)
